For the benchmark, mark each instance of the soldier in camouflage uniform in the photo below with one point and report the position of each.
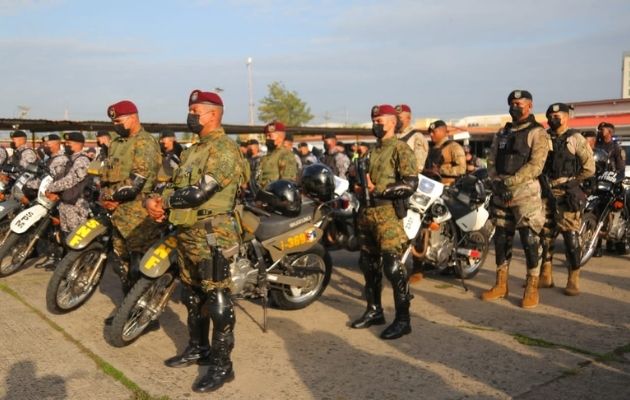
(128, 175)
(57, 162)
(392, 178)
(22, 156)
(414, 138)
(278, 163)
(201, 205)
(336, 160)
(516, 160)
(568, 164)
(446, 157)
(69, 188)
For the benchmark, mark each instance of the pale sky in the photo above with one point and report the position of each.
(446, 59)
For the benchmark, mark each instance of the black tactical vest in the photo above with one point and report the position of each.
(513, 151)
(560, 162)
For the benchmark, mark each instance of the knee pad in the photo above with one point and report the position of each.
(503, 245)
(572, 248)
(191, 299)
(530, 242)
(221, 310)
(367, 264)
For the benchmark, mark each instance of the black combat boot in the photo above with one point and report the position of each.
(198, 349)
(373, 315)
(396, 273)
(221, 310)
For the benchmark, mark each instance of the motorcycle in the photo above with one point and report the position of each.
(35, 228)
(79, 272)
(341, 233)
(606, 216)
(278, 256)
(14, 196)
(449, 226)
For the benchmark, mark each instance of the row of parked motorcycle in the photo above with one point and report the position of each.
(283, 256)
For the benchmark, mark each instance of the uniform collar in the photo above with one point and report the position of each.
(212, 135)
(441, 142)
(388, 142)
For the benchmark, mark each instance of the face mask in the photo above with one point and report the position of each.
(121, 130)
(162, 148)
(378, 130)
(46, 150)
(554, 123)
(516, 112)
(271, 145)
(68, 150)
(250, 152)
(193, 123)
(12, 145)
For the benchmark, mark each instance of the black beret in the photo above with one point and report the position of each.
(364, 144)
(329, 135)
(605, 125)
(52, 136)
(103, 133)
(91, 150)
(436, 124)
(519, 94)
(253, 141)
(167, 133)
(589, 134)
(18, 134)
(303, 144)
(558, 107)
(74, 137)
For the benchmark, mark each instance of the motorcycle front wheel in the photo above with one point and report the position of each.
(315, 266)
(75, 279)
(14, 252)
(144, 303)
(588, 236)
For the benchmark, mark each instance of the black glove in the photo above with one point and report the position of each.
(500, 189)
(401, 189)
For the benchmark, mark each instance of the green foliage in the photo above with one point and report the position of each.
(283, 105)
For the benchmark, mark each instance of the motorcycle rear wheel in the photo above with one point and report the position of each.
(13, 252)
(469, 266)
(139, 307)
(314, 265)
(70, 285)
(588, 236)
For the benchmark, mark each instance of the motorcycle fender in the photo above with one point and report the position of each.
(7, 207)
(412, 223)
(296, 240)
(159, 258)
(474, 220)
(27, 218)
(84, 234)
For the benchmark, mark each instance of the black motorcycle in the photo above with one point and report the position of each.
(606, 216)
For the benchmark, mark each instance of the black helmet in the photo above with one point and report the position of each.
(318, 182)
(281, 197)
(602, 161)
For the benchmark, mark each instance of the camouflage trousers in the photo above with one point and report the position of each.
(134, 230)
(381, 231)
(194, 249)
(556, 221)
(524, 210)
(73, 215)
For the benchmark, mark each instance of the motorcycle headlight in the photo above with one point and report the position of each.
(438, 210)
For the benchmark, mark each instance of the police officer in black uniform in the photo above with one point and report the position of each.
(605, 132)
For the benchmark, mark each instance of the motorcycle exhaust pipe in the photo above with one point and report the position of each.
(424, 239)
(473, 253)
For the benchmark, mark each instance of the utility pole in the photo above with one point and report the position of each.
(251, 90)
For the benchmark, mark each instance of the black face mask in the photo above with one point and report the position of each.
(516, 112)
(68, 150)
(250, 152)
(193, 123)
(271, 145)
(47, 151)
(121, 130)
(378, 130)
(554, 123)
(162, 148)
(12, 145)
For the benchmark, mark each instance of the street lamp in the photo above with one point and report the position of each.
(251, 93)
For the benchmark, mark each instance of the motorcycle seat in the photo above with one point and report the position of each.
(275, 225)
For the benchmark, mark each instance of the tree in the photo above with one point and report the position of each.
(283, 105)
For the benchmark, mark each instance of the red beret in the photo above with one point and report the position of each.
(275, 126)
(199, 97)
(383, 109)
(124, 107)
(403, 108)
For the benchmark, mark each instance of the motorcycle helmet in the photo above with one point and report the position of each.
(281, 197)
(318, 182)
(602, 161)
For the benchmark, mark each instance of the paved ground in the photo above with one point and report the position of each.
(460, 347)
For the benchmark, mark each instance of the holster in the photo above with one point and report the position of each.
(400, 207)
(575, 197)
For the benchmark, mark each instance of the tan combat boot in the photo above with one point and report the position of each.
(573, 282)
(530, 297)
(546, 278)
(500, 288)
